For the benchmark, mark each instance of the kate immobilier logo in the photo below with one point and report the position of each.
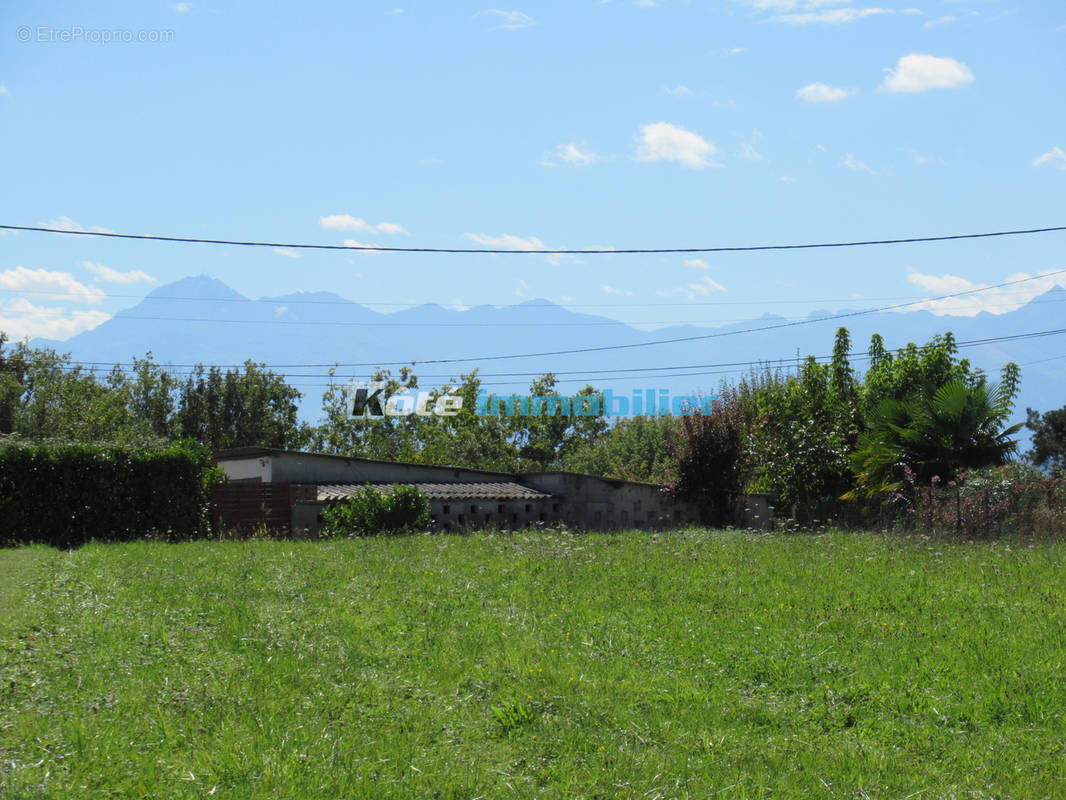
(368, 400)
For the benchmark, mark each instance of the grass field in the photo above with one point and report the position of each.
(693, 664)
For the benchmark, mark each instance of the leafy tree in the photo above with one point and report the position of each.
(959, 426)
(1049, 438)
(803, 429)
(497, 440)
(465, 439)
(546, 441)
(640, 448)
(12, 374)
(925, 408)
(914, 371)
(236, 408)
(712, 467)
(47, 396)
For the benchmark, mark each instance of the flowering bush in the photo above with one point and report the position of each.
(993, 501)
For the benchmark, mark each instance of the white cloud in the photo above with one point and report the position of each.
(679, 91)
(696, 263)
(181, 8)
(571, 153)
(662, 141)
(614, 290)
(354, 243)
(940, 21)
(823, 93)
(285, 251)
(749, 152)
(522, 289)
(509, 20)
(1055, 157)
(920, 72)
(851, 162)
(107, 275)
(62, 284)
(787, 179)
(994, 301)
(705, 286)
(3, 89)
(832, 16)
(507, 241)
(67, 224)
(346, 222)
(19, 318)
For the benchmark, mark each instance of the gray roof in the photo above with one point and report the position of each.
(439, 491)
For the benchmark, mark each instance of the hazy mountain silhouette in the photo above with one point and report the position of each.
(201, 319)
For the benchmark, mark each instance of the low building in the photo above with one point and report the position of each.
(287, 491)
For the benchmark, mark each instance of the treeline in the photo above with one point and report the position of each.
(810, 437)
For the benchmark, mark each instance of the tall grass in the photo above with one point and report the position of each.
(690, 664)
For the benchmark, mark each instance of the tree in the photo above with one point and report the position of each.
(549, 440)
(915, 371)
(640, 448)
(928, 410)
(492, 438)
(712, 468)
(959, 426)
(1049, 438)
(253, 407)
(803, 429)
(12, 373)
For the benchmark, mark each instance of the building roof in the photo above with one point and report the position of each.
(439, 491)
(241, 453)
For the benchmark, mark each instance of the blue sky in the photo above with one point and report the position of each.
(569, 124)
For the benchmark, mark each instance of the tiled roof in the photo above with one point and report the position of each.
(439, 491)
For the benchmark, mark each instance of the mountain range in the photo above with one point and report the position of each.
(200, 319)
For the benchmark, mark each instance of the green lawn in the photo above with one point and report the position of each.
(694, 664)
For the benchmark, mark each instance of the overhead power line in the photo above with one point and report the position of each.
(599, 375)
(719, 334)
(54, 313)
(59, 294)
(503, 251)
(699, 337)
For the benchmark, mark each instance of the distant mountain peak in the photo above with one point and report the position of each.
(308, 297)
(201, 287)
(540, 301)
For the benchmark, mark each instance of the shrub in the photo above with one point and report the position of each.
(712, 466)
(370, 512)
(68, 494)
(1015, 499)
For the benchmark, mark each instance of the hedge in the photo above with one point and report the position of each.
(69, 494)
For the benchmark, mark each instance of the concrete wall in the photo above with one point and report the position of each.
(604, 504)
(756, 512)
(452, 515)
(580, 501)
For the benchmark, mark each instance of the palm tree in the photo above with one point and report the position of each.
(958, 427)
